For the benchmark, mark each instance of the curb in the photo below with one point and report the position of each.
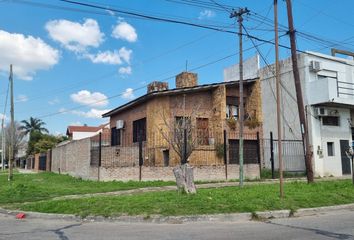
(233, 217)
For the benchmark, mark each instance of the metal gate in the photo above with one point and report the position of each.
(250, 151)
(42, 162)
(344, 146)
(293, 155)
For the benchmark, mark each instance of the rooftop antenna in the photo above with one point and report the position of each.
(186, 65)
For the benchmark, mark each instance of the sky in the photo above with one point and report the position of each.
(72, 63)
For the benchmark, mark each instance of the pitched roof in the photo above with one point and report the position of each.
(72, 129)
(173, 91)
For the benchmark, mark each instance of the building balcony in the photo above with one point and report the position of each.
(330, 90)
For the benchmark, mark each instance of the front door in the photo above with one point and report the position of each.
(344, 145)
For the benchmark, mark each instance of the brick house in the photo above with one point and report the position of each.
(217, 111)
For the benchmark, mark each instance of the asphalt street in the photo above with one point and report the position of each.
(332, 225)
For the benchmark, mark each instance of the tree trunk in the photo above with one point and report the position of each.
(185, 178)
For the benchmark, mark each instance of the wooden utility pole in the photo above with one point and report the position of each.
(300, 103)
(238, 14)
(277, 79)
(12, 126)
(3, 143)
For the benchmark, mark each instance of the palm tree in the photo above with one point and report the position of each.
(33, 125)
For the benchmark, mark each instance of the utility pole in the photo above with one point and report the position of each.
(300, 103)
(2, 143)
(277, 79)
(238, 14)
(12, 126)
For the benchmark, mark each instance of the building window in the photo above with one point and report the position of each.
(232, 107)
(202, 131)
(115, 136)
(330, 121)
(330, 149)
(139, 130)
(179, 128)
(231, 111)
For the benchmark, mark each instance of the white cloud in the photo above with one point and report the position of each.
(92, 113)
(75, 36)
(128, 94)
(125, 54)
(110, 12)
(22, 98)
(125, 31)
(27, 54)
(85, 97)
(206, 14)
(54, 101)
(108, 57)
(125, 70)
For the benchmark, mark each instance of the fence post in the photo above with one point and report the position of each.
(225, 153)
(272, 154)
(140, 153)
(259, 153)
(353, 168)
(99, 155)
(184, 159)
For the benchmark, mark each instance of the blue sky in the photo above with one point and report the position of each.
(71, 66)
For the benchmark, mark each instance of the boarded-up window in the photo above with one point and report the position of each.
(139, 130)
(202, 131)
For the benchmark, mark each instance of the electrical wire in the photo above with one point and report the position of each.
(139, 88)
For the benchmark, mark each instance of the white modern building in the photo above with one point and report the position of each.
(328, 94)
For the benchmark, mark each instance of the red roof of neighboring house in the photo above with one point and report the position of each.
(72, 129)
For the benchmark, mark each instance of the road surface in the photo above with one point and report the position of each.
(334, 225)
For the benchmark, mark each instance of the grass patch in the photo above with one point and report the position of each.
(206, 201)
(267, 174)
(34, 187)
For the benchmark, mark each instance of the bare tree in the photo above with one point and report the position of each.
(180, 133)
(19, 141)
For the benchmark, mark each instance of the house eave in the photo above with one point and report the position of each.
(174, 91)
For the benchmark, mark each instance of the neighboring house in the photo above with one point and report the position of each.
(215, 107)
(328, 95)
(80, 132)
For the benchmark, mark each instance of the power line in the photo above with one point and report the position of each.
(139, 88)
(268, 66)
(172, 21)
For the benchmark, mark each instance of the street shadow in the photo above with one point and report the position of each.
(329, 234)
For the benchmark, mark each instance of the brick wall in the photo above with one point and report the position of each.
(73, 158)
(203, 173)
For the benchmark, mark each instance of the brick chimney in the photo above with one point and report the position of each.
(157, 86)
(186, 79)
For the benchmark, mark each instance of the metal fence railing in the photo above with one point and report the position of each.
(156, 150)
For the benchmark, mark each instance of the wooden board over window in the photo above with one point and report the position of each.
(203, 131)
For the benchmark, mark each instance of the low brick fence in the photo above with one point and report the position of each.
(203, 173)
(74, 158)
